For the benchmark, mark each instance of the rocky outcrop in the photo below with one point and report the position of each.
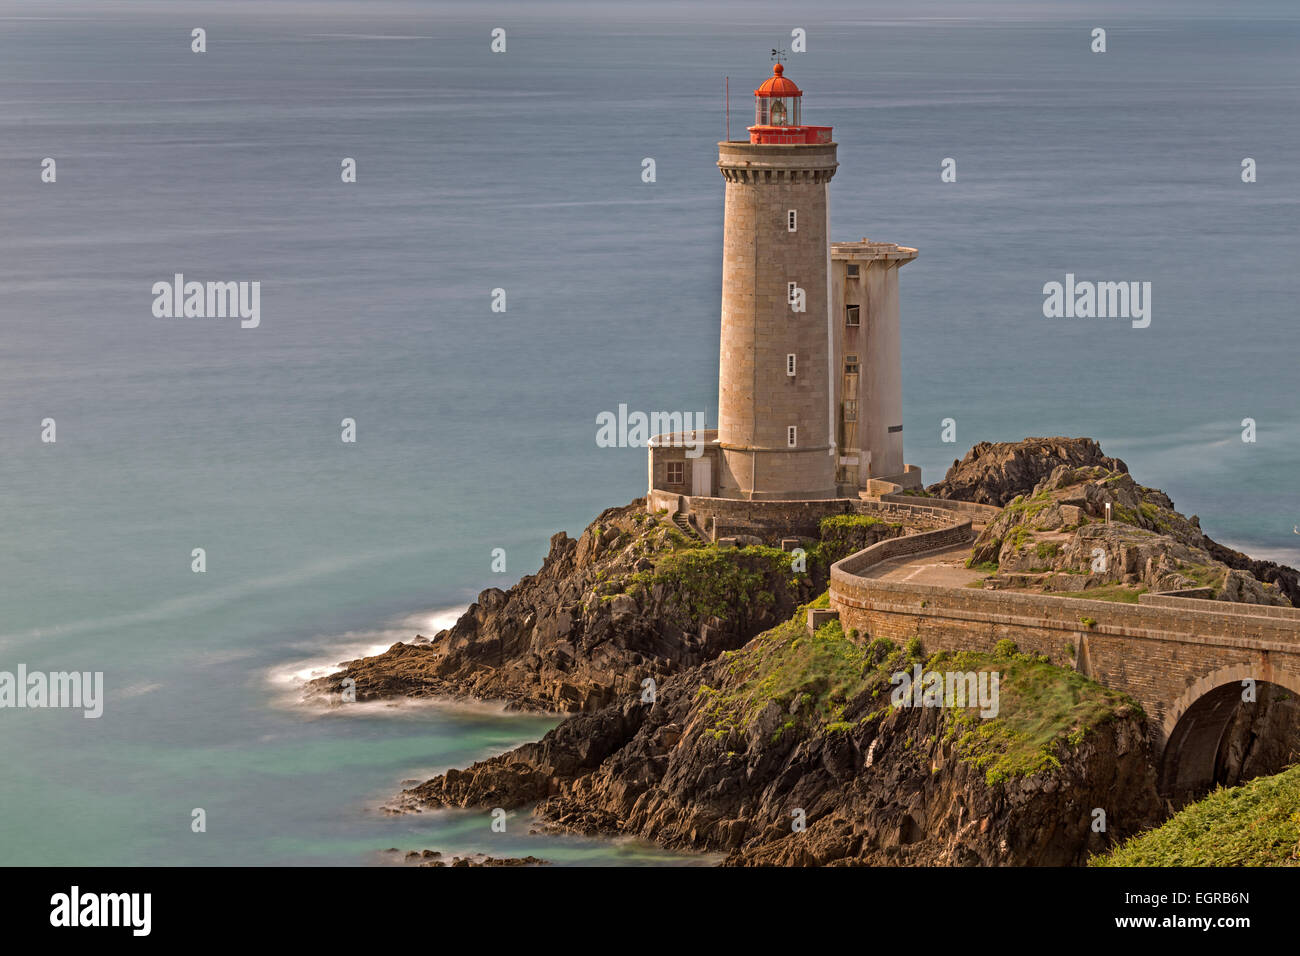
(998, 473)
(436, 858)
(1261, 737)
(741, 757)
(1057, 538)
(1285, 579)
(757, 741)
(993, 474)
(632, 599)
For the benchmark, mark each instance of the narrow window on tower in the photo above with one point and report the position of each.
(676, 472)
(852, 316)
(850, 411)
(790, 289)
(789, 364)
(791, 434)
(850, 365)
(792, 220)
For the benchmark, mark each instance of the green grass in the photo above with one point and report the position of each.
(1030, 507)
(1019, 536)
(1119, 593)
(842, 535)
(1256, 824)
(715, 582)
(1156, 515)
(1044, 711)
(823, 670)
(843, 522)
(1205, 575)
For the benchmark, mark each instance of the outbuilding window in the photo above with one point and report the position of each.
(676, 472)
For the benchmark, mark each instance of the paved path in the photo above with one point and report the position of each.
(945, 568)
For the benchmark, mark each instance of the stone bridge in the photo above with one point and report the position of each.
(1183, 660)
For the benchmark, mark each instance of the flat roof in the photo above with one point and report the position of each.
(867, 249)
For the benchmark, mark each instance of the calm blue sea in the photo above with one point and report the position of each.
(475, 429)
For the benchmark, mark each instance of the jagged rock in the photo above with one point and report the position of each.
(1286, 579)
(434, 858)
(993, 474)
(1056, 538)
(882, 788)
(571, 637)
(877, 787)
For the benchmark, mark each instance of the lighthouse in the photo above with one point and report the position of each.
(809, 381)
(775, 402)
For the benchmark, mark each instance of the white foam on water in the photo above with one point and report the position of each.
(289, 680)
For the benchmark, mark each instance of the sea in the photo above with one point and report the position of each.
(506, 266)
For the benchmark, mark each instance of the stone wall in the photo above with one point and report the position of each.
(1150, 651)
(977, 511)
(757, 399)
(1173, 600)
(728, 517)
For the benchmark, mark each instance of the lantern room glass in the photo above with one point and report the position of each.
(776, 111)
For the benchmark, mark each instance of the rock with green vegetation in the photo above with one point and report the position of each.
(1256, 824)
(801, 727)
(999, 473)
(632, 599)
(1057, 538)
(843, 535)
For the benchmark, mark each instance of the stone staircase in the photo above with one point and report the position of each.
(683, 521)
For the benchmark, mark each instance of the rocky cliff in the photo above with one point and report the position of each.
(789, 752)
(633, 598)
(1058, 538)
(710, 720)
(993, 474)
(999, 473)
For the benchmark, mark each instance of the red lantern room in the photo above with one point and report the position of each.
(778, 115)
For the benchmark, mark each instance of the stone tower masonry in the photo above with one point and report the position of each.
(775, 395)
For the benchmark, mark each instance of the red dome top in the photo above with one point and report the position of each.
(778, 85)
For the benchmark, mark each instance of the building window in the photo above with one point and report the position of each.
(676, 472)
(850, 365)
(853, 270)
(850, 411)
(790, 289)
(791, 435)
(852, 316)
(792, 220)
(789, 364)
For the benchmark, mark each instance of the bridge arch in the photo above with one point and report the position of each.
(1194, 725)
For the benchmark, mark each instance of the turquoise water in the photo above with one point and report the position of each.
(476, 429)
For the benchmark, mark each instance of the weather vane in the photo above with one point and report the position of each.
(778, 55)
